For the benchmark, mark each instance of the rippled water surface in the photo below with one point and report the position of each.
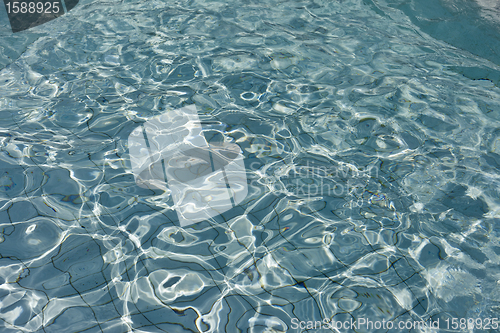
(372, 150)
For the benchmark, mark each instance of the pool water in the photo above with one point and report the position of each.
(370, 131)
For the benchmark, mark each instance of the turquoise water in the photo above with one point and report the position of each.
(370, 131)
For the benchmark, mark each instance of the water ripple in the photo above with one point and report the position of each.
(372, 155)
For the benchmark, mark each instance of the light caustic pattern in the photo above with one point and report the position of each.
(372, 167)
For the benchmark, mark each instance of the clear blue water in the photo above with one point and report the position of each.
(370, 131)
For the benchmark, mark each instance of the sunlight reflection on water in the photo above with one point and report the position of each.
(372, 167)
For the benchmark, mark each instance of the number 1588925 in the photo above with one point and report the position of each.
(23, 7)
